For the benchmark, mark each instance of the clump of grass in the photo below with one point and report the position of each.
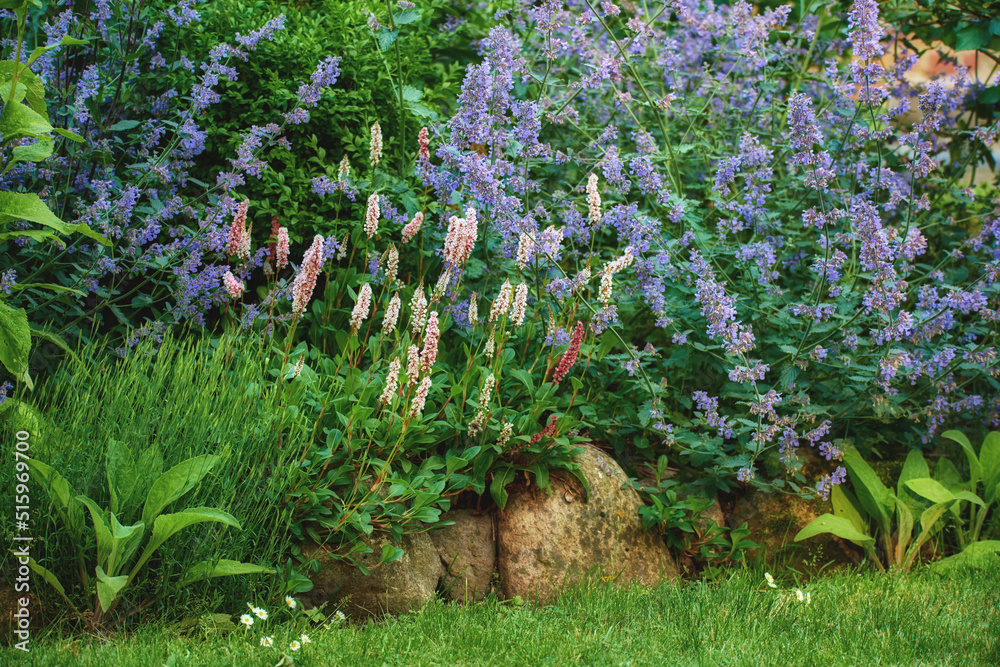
(854, 619)
(183, 399)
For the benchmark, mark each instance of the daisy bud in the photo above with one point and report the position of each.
(360, 312)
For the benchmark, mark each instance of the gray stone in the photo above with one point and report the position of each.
(468, 551)
(545, 539)
(393, 588)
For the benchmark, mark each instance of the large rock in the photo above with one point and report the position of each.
(546, 538)
(468, 552)
(393, 588)
(775, 519)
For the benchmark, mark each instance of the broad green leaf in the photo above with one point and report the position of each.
(946, 473)
(65, 41)
(47, 286)
(125, 541)
(928, 526)
(15, 340)
(835, 525)
(411, 94)
(20, 120)
(975, 468)
(541, 475)
(28, 206)
(61, 494)
(35, 152)
(54, 339)
(123, 125)
(989, 458)
(973, 36)
(105, 544)
(72, 136)
(977, 554)
(120, 468)
(174, 483)
(33, 234)
(50, 578)
(386, 39)
(872, 494)
(108, 588)
(390, 553)
(525, 379)
(915, 467)
(167, 525)
(501, 478)
(844, 505)
(970, 497)
(407, 16)
(930, 489)
(224, 568)
(29, 86)
(904, 530)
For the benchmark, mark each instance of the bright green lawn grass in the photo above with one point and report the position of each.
(867, 619)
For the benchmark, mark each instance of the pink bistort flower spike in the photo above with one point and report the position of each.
(461, 238)
(305, 280)
(418, 310)
(391, 383)
(412, 364)
(502, 302)
(391, 265)
(593, 201)
(420, 398)
(344, 169)
(413, 226)
(372, 214)
(429, 354)
(360, 312)
(424, 143)
(519, 309)
(391, 315)
(237, 231)
(234, 287)
(375, 145)
(568, 359)
(281, 249)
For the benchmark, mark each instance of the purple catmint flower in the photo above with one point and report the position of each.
(865, 33)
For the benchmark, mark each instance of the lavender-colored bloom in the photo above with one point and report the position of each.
(865, 32)
(7, 280)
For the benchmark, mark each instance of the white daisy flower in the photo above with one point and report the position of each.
(294, 646)
(770, 580)
(291, 602)
(246, 619)
(267, 642)
(799, 595)
(305, 639)
(260, 613)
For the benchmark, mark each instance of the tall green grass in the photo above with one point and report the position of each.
(853, 619)
(186, 398)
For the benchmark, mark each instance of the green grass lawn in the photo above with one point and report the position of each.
(853, 619)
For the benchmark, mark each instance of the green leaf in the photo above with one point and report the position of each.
(977, 554)
(915, 467)
(989, 458)
(174, 483)
(904, 530)
(65, 41)
(15, 340)
(35, 152)
(125, 541)
(20, 120)
(47, 576)
(931, 489)
(72, 136)
(386, 39)
(33, 234)
(224, 568)
(975, 468)
(27, 83)
(122, 475)
(61, 494)
(502, 476)
(167, 525)
(108, 588)
(836, 525)
(411, 94)
(407, 16)
(525, 379)
(845, 505)
(123, 125)
(53, 338)
(28, 206)
(105, 544)
(874, 497)
(973, 37)
(541, 475)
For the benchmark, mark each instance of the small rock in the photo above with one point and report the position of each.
(393, 588)
(468, 551)
(544, 538)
